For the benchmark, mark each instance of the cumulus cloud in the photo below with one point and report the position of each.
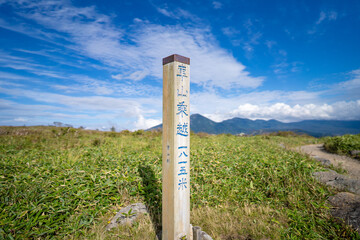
(206, 102)
(282, 105)
(94, 35)
(143, 123)
(284, 112)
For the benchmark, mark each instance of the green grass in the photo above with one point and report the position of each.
(342, 144)
(65, 183)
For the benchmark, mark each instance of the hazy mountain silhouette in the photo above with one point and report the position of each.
(316, 128)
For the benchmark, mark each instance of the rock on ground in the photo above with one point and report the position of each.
(355, 153)
(130, 213)
(127, 215)
(346, 206)
(338, 181)
(323, 161)
(200, 235)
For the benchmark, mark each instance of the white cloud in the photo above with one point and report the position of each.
(285, 105)
(217, 5)
(321, 18)
(178, 13)
(353, 83)
(219, 108)
(94, 35)
(98, 103)
(285, 67)
(85, 108)
(325, 16)
(27, 64)
(138, 75)
(330, 16)
(270, 43)
(253, 35)
(233, 34)
(20, 119)
(284, 112)
(209, 63)
(229, 31)
(11, 76)
(79, 82)
(143, 123)
(165, 12)
(15, 112)
(345, 90)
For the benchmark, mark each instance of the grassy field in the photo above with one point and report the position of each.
(343, 144)
(66, 183)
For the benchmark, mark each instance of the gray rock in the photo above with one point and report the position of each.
(282, 145)
(127, 215)
(197, 234)
(355, 153)
(338, 181)
(130, 213)
(205, 236)
(327, 176)
(346, 206)
(200, 235)
(323, 161)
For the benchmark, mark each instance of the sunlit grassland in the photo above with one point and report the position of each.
(66, 183)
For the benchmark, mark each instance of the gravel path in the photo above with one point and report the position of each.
(345, 205)
(317, 151)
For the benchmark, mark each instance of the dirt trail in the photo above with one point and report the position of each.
(352, 166)
(345, 205)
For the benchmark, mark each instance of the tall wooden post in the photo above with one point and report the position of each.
(176, 149)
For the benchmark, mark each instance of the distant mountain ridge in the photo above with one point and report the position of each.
(316, 128)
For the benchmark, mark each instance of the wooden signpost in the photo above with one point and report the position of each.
(176, 149)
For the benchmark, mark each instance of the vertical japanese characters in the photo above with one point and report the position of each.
(182, 127)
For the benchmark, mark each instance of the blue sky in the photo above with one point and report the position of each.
(98, 64)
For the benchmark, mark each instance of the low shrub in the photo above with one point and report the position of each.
(342, 144)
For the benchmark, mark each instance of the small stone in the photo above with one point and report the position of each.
(346, 206)
(282, 145)
(205, 236)
(327, 176)
(127, 215)
(323, 161)
(355, 153)
(338, 181)
(200, 235)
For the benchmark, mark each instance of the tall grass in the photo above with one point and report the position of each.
(65, 183)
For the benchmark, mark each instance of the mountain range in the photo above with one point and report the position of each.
(316, 128)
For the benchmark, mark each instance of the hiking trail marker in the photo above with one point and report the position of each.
(176, 149)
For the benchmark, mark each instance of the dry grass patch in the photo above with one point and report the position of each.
(141, 229)
(249, 221)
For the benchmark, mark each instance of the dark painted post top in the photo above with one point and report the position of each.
(176, 57)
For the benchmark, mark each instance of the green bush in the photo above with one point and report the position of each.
(342, 144)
